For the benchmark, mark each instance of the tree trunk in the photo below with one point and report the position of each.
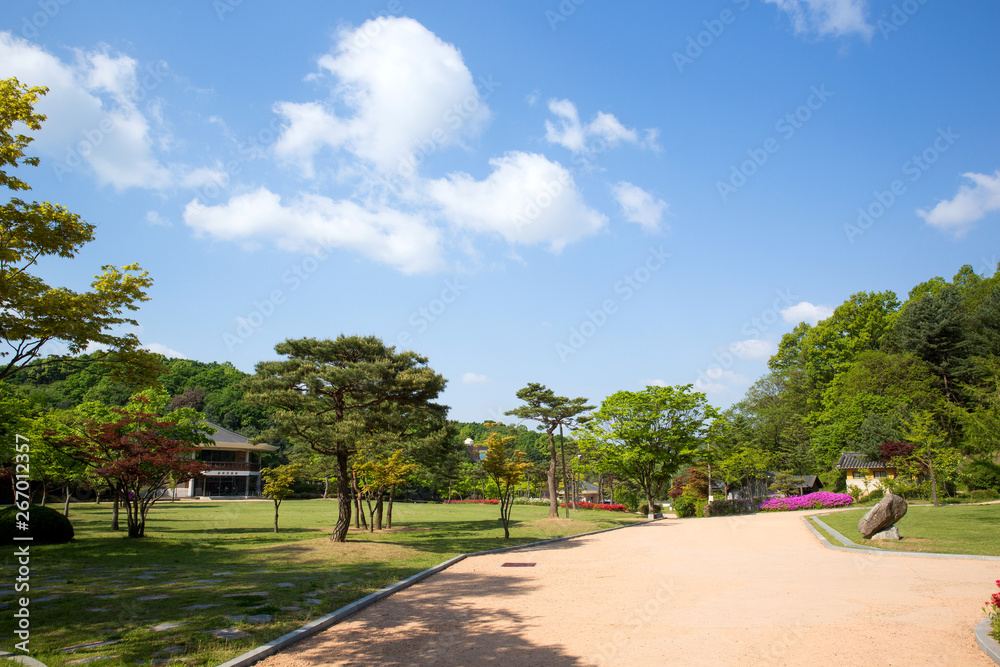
(326, 485)
(114, 512)
(934, 493)
(611, 483)
(359, 517)
(565, 479)
(575, 492)
(276, 503)
(388, 516)
(600, 488)
(66, 502)
(343, 501)
(553, 498)
(378, 513)
(371, 514)
(44, 490)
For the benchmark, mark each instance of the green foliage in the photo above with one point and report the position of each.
(727, 508)
(686, 506)
(981, 474)
(33, 314)
(45, 526)
(644, 509)
(505, 470)
(984, 495)
(646, 436)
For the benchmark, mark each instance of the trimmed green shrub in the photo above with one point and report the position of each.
(644, 509)
(983, 495)
(685, 507)
(45, 525)
(729, 507)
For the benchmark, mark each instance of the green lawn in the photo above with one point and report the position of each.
(224, 554)
(949, 529)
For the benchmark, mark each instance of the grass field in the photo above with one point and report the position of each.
(949, 529)
(203, 561)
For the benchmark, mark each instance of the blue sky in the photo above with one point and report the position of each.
(594, 196)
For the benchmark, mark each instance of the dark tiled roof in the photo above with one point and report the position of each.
(806, 480)
(225, 435)
(856, 461)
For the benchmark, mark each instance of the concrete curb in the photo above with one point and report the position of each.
(324, 622)
(858, 548)
(989, 645)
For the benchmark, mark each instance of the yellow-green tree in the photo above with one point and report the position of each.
(380, 475)
(505, 469)
(278, 483)
(32, 313)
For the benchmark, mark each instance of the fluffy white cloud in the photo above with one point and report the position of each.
(527, 199)
(474, 378)
(827, 17)
(639, 206)
(402, 240)
(971, 203)
(93, 113)
(806, 312)
(409, 94)
(719, 382)
(571, 133)
(165, 351)
(752, 349)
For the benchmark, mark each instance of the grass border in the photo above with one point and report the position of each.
(860, 548)
(334, 617)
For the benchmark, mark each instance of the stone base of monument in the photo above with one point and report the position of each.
(891, 533)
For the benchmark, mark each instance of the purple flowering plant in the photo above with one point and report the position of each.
(811, 501)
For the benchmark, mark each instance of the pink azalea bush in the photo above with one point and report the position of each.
(811, 501)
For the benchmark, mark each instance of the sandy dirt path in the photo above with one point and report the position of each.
(758, 590)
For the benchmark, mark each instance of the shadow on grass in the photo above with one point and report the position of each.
(443, 626)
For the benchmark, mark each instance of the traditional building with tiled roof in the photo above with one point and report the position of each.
(234, 467)
(863, 473)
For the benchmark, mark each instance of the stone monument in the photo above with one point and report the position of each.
(879, 522)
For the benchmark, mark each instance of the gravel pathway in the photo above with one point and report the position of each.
(757, 590)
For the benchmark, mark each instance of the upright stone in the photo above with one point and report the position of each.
(887, 512)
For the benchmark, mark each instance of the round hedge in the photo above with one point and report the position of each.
(45, 525)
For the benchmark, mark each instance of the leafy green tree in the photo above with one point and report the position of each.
(646, 436)
(33, 314)
(381, 475)
(552, 412)
(930, 448)
(505, 469)
(137, 451)
(746, 468)
(326, 391)
(278, 483)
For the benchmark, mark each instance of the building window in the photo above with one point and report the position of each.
(878, 473)
(859, 474)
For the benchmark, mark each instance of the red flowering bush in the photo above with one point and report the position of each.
(992, 610)
(587, 505)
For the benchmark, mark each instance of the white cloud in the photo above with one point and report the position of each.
(752, 349)
(971, 203)
(94, 120)
(165, 351)
(572, 134)
(474, 378)
(156, 220)
(806, 312)
(92, 114)
(402, 240)
(527, 199)
(656, 382)
(717, 381)
(639, 206)
(409, 92)
(827, 17)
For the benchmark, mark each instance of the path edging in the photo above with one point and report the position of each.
(334, 617)
(859, 548)
(989, 645)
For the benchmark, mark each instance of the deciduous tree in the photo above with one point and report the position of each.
(505, 469)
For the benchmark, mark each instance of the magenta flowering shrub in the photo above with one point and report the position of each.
(811, 501)
(992, 610)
